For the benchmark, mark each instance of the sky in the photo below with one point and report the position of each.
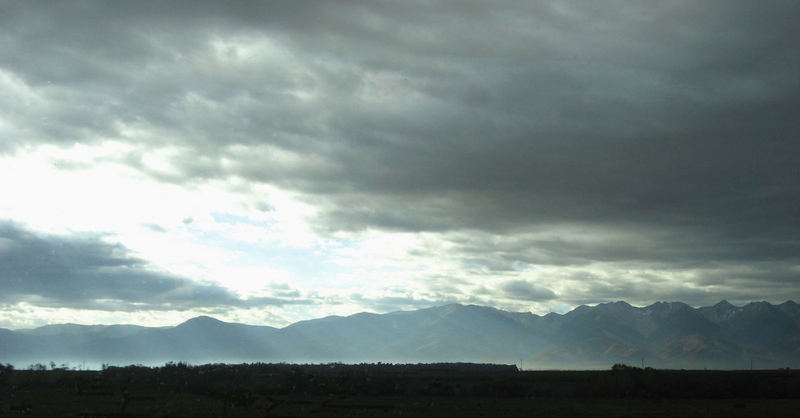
(269, 162)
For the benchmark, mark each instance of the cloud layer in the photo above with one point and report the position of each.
(557, 152)
(83, 272)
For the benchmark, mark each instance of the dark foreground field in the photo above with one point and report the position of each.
(336, 390)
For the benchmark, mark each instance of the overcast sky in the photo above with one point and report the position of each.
(266, 162)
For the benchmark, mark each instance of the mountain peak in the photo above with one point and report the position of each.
(670, 306)
(721, 312)
(449, 308)
(724, 304)
(758, 306)
(614, 306)
(202, 320)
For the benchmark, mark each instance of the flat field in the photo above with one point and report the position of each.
(385, 390)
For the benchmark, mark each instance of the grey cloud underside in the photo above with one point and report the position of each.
(85, 272)
(674, 122)
(520, 289)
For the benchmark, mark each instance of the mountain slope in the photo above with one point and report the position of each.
(665, 334)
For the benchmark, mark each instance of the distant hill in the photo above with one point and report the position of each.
(662, 335)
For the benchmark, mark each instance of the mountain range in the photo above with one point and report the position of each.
(664, 334)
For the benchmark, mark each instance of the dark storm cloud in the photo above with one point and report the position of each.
(523, 290)
(678, 248)
(673, 122)
(643, 288)
(84, 272)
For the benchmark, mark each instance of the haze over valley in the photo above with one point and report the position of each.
(664, 335)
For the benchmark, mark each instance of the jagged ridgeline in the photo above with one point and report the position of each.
(676, 335)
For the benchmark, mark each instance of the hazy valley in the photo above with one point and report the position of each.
(663, 334)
